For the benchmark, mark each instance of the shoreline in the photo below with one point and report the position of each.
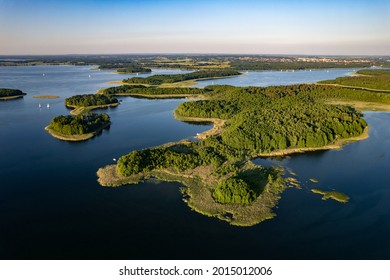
(216, 129)
(354, 87)
(156, 96)
(75, 138)
(5, 98)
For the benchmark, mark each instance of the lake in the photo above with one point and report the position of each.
(51, 206)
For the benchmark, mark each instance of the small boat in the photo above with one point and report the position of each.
(114, 159)
(89, 76)
(48, 105)
(43, 74)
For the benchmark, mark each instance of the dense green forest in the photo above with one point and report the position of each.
(7, 92)
(142, 90)
(86, 100)
(262, 120)
(160, 79)
(79, 124)
(374, 79)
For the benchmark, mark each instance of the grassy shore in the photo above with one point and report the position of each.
(74, 138)
(338, 196)
(199, 183)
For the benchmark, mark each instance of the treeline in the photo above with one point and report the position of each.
(86, 100)
(125, 68)
(174, 78)
(241, 65)
(79, 124)
(8, 92)
(142, 90)
(374, 79)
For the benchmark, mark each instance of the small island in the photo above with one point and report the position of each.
(8, 94)
(338, 196)
(86, 102)
(46, 96)
(175, 78)
(154, 92)
(78, 128)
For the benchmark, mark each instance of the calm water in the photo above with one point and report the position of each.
(274, 78)
(51, 206)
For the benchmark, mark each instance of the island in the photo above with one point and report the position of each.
(154, 92)
(78, 128)
(86, 102)
(8, 94)
(338, 196)
(176, 78)
(125, 68)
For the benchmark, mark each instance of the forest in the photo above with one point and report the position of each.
(7, 92)
(174, 78)
(86, 100)
(79, 124)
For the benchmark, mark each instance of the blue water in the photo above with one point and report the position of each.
(51, 206)
(274, 78)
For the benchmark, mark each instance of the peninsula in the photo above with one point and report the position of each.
(219, 178)
(87, 102)
(8, 94)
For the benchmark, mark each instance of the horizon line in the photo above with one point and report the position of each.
(192, 53)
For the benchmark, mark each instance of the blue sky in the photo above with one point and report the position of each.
(214, 26)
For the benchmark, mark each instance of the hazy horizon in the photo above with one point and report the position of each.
(298, 27)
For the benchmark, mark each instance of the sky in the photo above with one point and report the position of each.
(343, 27)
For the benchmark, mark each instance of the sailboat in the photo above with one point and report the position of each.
(39, 105)
(48, 105)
